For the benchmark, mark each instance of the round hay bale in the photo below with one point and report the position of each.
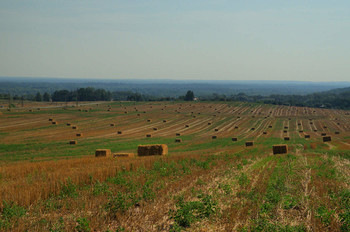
(178, 140)
(148, 136)
(178, 134)
(234, 139)
(214, 137)
(119, 132)
(79, 134)
(73, 142)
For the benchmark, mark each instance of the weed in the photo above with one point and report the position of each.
(69, 189)
(324, 214)
(289, 202)
(226, 188)
(189, 212)
(243, 180)
(58, 226)
(148, 193)
(83, 225)
(100, 188)
(117, 203)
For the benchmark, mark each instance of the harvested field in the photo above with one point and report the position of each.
(59, 184)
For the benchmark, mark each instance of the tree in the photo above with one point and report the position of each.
(189, 96)
(46, 97)
(38, 97)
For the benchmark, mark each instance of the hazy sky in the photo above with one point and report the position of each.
(175, 39)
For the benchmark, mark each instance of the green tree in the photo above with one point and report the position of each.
(46, 97)
(38, 97)
(189, 96)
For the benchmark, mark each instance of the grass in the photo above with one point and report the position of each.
(202, 184)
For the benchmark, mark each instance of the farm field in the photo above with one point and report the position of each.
(207, 182)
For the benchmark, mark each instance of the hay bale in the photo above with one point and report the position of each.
(164, 121)
(280, 149)
(327, 138)
(307, 136)
(264, 132)
(315, 130)
(209, 123)
(30, 110)
(79, 134)
(216, 129)
(187, 126)
(325, 127)
(74, 127)
(311, 123)
(178, 134)
(299, 124)
(214, 137)
(284, 131)
(155, 128)
(50, 119)
(125, 112)
(286, 138)
(103, 153)
(149, 120)
(249, 143)
(119, 132)
(337, 132)
(253, 128)
(270, 126)
(323, 134)
(234, 139)
(139, 115)
(178, 140)
(285, 127)
(112, 124)
(301, 131)
(73, 142)
(54, 123)
(156, 149)
(68, 124)
(148, 136)
(123, 155)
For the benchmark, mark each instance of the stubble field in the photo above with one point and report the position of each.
(205, 183)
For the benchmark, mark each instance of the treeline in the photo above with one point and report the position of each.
(336, 99)
(330, 99)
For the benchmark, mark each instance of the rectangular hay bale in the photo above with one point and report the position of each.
(103, 153)
(280, 149)
(249, 143)
(149, 150)
(123, 155)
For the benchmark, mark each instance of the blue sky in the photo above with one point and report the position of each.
(160, 39)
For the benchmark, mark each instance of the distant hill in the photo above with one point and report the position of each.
(166, 88)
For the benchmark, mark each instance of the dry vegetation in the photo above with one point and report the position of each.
(220, 173)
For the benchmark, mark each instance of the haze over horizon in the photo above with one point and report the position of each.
(196, 40)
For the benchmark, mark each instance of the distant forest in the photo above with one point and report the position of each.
(336, 99)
